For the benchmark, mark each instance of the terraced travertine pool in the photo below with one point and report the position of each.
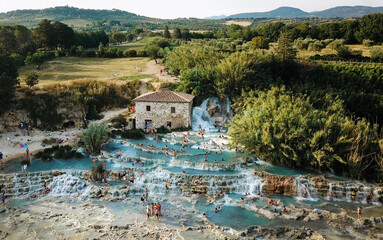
(167, 177)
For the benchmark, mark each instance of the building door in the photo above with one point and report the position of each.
(148, 124)
(169, 124)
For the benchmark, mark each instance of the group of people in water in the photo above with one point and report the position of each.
(152, 209)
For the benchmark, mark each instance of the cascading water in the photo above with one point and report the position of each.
(201, 118)
(158, 181)
(306, 189)
(68, 185)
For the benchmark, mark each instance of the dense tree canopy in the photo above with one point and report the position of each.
(289, 130)
(8, 80)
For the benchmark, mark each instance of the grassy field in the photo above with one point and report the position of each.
(129, 45)
(305, 53)
(72, 68)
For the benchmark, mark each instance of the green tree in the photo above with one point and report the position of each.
(45, 34)
(176, 33)
(259, 42)
(166, 32)
(284, 50)
(101, 50)
(129, 37)
(371, 27)
(64, 34)
(80, 50)
(137, 31)
(289, 130)
(152, 50)
(8, 40)
(94, 136)
(199, 81)
(118, 37)
(31, 78)
(8, 80)
(130, 53)
(377, 54)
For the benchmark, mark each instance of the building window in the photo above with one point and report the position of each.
(173, 109)
(148, 108)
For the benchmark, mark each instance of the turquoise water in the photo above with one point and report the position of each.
(158, 168)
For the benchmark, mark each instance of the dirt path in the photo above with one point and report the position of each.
(155, 69)
(143, 85)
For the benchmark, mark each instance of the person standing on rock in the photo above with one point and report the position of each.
(3, 198)
(159, 207)
(146, 194)
(331, 196)
(148, 211)
(359, 212)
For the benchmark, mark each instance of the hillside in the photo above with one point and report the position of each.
(356, 11)
(109, 20)
(289, 12)
(282, 12)
(72, 15)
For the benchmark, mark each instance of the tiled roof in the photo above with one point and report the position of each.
(165, 96)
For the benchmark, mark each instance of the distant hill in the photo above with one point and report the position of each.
(74, 15)
(216, 17)
(290, 12)
(282, 12)
(356, 11)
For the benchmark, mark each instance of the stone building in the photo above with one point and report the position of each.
(164, 108)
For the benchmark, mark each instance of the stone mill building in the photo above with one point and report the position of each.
(163, 108)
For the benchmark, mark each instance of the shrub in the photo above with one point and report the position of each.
(49, 141)
(98, 172)
(336, 43)
(316, 46)
(377, 54)
(66, 152)
(25, 161)
(368, 42)
(141, 53)
(327, 41)
(94, 136)
(19, 61)
(346, 52)
(31, 78)
(130, 53)
(118, 121)
(90, 54)
(150, 86)
(113, 53)
(40, 57)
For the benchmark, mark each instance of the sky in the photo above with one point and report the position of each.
(170, 9)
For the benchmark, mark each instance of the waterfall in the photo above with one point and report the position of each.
(228, 108)
(159, 181)
(306, 189)
(245, 183)
(68, 185)
(24, 184)
(201, 117)
(360, 189)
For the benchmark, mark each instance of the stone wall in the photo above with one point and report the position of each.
(160, 114)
